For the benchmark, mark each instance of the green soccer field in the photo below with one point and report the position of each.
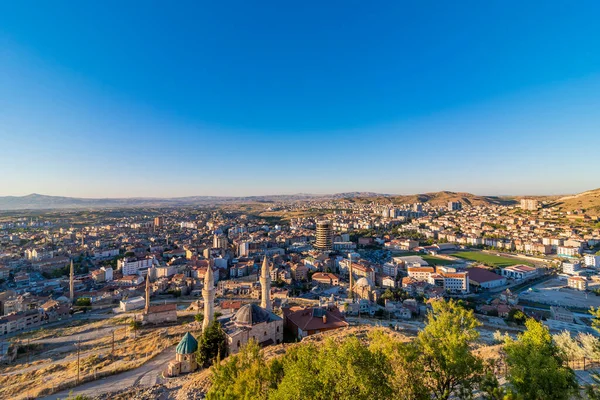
(489, 259)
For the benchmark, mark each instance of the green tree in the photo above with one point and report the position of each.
(135, 325)
(199, 317)
(445, 353)
(405, 375)
(347, 370)
(211, 345)
(536, 367)
(517, 316)
(245, 375)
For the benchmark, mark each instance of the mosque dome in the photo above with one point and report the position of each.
(364, 282)
(251, 314)
(188, 344)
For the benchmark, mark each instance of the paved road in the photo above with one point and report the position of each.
(147, 375)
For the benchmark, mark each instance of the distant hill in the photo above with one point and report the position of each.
(588, 201)
(42, 202)
(438, 199)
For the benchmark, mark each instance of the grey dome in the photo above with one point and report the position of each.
(251, 314)
(362, 282)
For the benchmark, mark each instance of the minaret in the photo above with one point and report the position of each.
(265, 284)
(208, 293)
(72, 283)
(350, 291)
(147, 308)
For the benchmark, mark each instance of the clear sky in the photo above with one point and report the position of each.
(141, 98)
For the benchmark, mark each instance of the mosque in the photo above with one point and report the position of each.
(250, 321)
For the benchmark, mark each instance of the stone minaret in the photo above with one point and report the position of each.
(147, 308)
(351, 286)
(208, 293)
(265, 284)
(72, 283)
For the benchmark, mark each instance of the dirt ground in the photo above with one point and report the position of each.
(555, 292)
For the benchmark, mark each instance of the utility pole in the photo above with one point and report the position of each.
(78, 345)
(112, 353)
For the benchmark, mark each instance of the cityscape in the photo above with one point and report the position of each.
(113, 302)
(299, 201)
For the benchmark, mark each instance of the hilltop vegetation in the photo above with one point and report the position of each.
(440, 363)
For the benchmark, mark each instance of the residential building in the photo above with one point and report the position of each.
(529, 204)
(592, 260)
(130, 266)
(561, 314)
(577, 282)
(324, 236)
(571, 268)
(454, 205)
(309, 321)
(420, 273)
(325, 279)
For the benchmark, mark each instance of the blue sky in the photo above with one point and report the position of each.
(131, 98)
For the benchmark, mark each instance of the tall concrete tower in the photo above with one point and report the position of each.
(147, 308)
(324, 240)
(208, 294)
(265, 284)
(72, 283)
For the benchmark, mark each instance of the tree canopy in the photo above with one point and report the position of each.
(211, 345)
(536, 367)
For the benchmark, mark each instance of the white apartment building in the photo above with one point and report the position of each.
(108, 273)
(529, 204)
(570, 268)
(130, 266)
(568, 251)
(420, 273)
(456, 281)
(107, 253)
(390, 269)
(592, 260)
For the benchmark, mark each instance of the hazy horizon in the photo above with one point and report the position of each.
(303, 193)
(112, 100)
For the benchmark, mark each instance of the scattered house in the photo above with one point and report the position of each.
(325, 279)
(388, 282)
(134, 303)
(304, 322)
(561, 314)
(509, 297)
(231, 306)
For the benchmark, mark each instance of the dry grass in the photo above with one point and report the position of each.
(95, 361)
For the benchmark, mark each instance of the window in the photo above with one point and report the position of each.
(278, 331)
(265, 333)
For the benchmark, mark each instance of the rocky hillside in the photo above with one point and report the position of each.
(439, 199)
(588, 201)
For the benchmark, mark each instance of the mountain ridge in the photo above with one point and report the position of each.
(589, 200)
